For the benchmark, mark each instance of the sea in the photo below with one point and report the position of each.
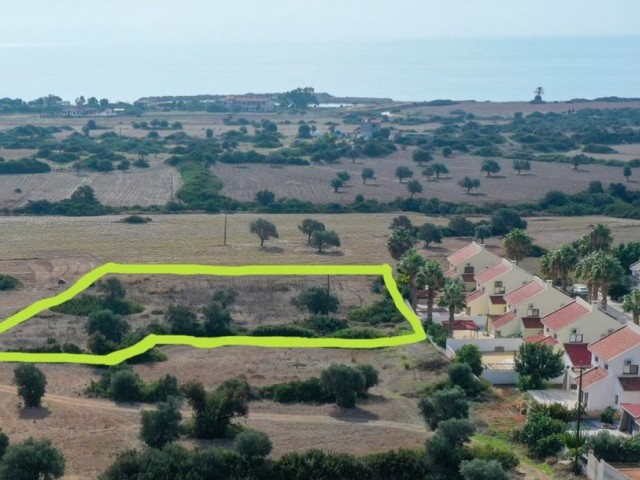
(495, 69)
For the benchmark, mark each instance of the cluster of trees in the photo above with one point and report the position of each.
(317, 234)
(215, 318)
(341, 384)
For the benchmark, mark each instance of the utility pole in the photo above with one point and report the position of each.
(225, 229)
(578, 419)
(579, 403)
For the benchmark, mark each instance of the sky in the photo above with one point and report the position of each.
(66, 46)
(117, 22)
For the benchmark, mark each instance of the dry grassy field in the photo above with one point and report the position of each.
(144, 187)
(313, 183)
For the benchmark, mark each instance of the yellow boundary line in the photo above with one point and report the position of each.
(206, 342)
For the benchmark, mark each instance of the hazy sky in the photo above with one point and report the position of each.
(103, 22)
(126, 49)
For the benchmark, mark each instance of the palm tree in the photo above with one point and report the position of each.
(566, 259)
(410, 265)
(517, 244)
(585, 271)
(607, 271)
(599, 238)
(631, 304)
(431, 276)
(549, 265)
(454, 297)
(401, 240)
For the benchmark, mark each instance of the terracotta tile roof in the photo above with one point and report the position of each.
(579, 354)
(592, 376)
(468, 277)
(503, 320)
(525, 292)
(630, 384)
(532, 322)
(471, 296)
(493, 271)
(450, 273)
(464, 254)
(462, 325)
(616, 343)
(542, 338)
(632, 409)
(497, 300)
(564, 316)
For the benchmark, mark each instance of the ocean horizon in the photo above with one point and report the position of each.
(505, 69)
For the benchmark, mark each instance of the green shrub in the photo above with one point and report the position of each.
(325, 325)
(368, 333)
(304, 391)
(282, 331)
(502, 454)
(136, 219)
(125, 386)
(543, 434)
(607, 415)
(253, 444)
(7, 282)
(383, 311)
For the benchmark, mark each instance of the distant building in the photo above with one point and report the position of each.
(369, 126)
(82, 111)
(247, 103)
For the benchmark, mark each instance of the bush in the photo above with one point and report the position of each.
(353, 333)
(282, 331)
(161, 426)
(470, 355)
(316, 464)
(325, 325)
(444, 404)
(397, 465)
(31, 383)
(543, 434)
(304, 391)
(371, 376)
(607, 415)
(503, 455)
(253, 444)
(438, 334)
(478, 469)
(383, 311)
(344, 383)
(23, 166)
(32, 460)
(136, 219)
(7, 282)
(126, 386)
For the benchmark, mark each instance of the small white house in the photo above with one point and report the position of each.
(615, 379)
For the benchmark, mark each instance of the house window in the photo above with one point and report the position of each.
(498, 287)
(498, 333)
(606, 366)
(575, 338)
(533, 312)
(629, 369)
(595, 358)
(468, 269)
(615, 400)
